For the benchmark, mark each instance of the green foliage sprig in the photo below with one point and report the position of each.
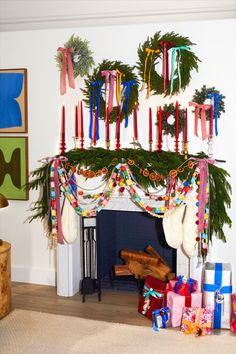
(169, 110)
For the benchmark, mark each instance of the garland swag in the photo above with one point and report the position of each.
(162, 164)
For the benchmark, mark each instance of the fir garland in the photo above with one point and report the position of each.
(96, 76)
(188, 61)
(200, 96)
(162, 164)
(82, 59)
(169, 110)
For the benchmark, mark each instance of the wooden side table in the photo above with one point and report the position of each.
(5, 279)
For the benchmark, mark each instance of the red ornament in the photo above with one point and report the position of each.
(160, 198)
(121, 189)
(198, 239)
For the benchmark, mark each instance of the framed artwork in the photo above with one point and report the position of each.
(14, 167)
(13, 101)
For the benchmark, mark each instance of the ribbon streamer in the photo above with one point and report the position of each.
(127, 87)
(173, 51)
(97, 84)
(215, 98)
(110, 76)
(200, 108)
(119, 75)
(66, 59)
(150, 53)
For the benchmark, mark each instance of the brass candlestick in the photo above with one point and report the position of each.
(150, 145)
(185, 149)
(76, 142)
(108, 144)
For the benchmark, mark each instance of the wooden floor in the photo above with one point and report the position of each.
(115, 306)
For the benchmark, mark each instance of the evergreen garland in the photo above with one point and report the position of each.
(161, 163)
(169, 110)
(96, 76)
(188, 61)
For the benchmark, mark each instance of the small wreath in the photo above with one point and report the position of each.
(82, 59)
(128, 75)
(186, 58)
(167, 127)
(201, 96)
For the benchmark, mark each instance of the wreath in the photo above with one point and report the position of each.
(82, 59)
(186, 62)
(200, 96)
(128, 75)
(168, 127)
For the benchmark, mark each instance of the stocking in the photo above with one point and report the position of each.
(189, 227)
(69, 222)
(172, 226)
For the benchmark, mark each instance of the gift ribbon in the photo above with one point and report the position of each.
(127, 87)
(97, 84)
(173, 51)
(149, 291)
(195, 327)
(190, 281)
(150, 54)
(203, 108)
(164, 313)
(215, 98)
(66, 58)
(119, 75)
(110, 76)
(218, 288)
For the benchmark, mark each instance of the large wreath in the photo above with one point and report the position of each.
(82, 59)
(187, 62)
(168, 128)
(127, 71)
(200, 97)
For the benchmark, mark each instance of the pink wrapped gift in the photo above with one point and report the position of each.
(197, 321)
(176, 303)
(183, 285)
(233, 299)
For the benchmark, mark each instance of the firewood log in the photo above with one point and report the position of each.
(122, 269)
(139, 256)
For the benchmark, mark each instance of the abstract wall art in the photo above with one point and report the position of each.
(13, 101)
(14, 167)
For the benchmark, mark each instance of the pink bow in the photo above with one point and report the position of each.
(66, 57)
(109, 79)
(203, 108)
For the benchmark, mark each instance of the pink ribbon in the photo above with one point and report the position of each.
(203, 108)
(66, 58)
(109, 79)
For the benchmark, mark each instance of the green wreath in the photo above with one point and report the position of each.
(96, 76)
(168, 128)
(200, 96)
(187, 60)
(82, 59)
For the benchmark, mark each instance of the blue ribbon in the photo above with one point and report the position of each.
(164, 312)
(173, 51)
(99, 87)
(215, 98)
(127, 87)
(190, 281)
(150, 291)
(216, 287)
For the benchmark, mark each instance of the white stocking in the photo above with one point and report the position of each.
(189, 227)
(172, 226)
(69, 221)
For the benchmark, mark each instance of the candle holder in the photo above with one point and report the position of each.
(159, 146)
(150, 145)
(62, 147)
(210, 146)
(108, 144)
(177, 146)
(81, 143)
(76, 142)
(185, 149)
(117, 144)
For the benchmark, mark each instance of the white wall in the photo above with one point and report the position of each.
(35, 50)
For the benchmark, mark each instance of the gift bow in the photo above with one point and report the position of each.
(149, 291)
(150, 53)
(164, 312)
(190, 281)
(110, 76)
(196, 328)
(66, 58)
(173, 51)
(215, 97)
(203, 108)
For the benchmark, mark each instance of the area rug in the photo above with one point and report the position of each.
(28, 332)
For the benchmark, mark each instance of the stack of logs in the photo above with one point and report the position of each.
(140, 264)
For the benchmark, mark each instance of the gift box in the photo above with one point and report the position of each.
(217, 289)
(160, 318)
(233, 302)
(176, 303)
(183, 285)
(153, 297)
(197, 321)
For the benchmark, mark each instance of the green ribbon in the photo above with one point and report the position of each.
(150, 291)
(173, 51)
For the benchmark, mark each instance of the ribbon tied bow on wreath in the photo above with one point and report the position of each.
(66, 67)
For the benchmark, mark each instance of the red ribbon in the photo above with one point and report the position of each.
(66, 58)
(188, 300)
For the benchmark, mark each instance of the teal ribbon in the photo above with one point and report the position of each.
(150, 291)
(173, 51)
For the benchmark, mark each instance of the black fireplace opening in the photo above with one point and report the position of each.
(117, 230)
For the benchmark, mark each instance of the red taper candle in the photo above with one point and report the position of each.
(118, 130)
(81, 120)
(76, 122)
(211, 121)
(176, 127)
(94, 129)
(186, 126)
(150, 125)
(62, 142)
(107, 125)
(135, 122)
(159, 129)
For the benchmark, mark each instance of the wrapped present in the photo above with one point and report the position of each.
(217, 289)
(233, 301)
(176, 303)
(153, 297)
(160, 318)
(183, 285)
(197, 321)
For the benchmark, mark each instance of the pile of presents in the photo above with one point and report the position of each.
(179, 303)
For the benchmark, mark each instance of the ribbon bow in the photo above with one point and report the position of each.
(203, 108)
(150, 53)
(190, 281)
(110, 76)
(164, 313)
(119, 75)
(173, 51)
(149, 291)
(97, 84)
(127, 87)
(215, 98)
(66, 58)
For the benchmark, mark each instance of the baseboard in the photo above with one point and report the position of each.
(42, 276)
